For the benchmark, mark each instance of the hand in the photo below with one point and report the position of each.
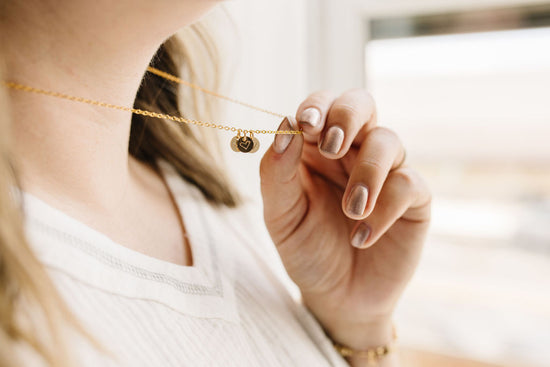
(352, 290)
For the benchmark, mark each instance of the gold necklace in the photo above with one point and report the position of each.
(244, 144)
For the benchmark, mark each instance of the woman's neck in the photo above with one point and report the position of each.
(64, 148)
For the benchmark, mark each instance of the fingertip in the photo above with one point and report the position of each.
(330, 144)
(310, 117)
(355, 201)
(360, 236)
(282, 141)
(310, 120)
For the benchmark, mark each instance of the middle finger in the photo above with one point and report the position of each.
(350, 118)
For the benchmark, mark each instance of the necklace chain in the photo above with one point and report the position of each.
(26, 88)
(175, 79)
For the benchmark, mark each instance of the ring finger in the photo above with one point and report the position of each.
(380, 152)
(404, 195)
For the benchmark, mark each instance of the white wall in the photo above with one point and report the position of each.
(270, 73)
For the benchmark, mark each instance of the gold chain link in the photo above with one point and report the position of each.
(174, 78)
(138, 111)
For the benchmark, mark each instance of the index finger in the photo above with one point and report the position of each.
(312, 113)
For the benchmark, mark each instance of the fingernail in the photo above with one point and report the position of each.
(310, 116)
(282, 141)
(332, 142)
(357, 200)
(360, 236)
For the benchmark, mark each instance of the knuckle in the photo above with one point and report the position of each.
(312, 101)
(344, 111)
(386, 138)
(425, 191)
(385, 133)
(319, 98)
(403, 177)
(359, 92)
(370, 165)
(362, 96)
(356, 90)
(408, 182)
(323, 93)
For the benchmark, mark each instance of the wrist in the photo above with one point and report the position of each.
(372, 344)
(362, 335)
(352, 326)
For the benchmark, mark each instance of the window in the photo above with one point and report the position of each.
(469, 93)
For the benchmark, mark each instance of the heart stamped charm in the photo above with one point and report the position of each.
(245, 144)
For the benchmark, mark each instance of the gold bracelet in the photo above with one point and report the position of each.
(373, 355)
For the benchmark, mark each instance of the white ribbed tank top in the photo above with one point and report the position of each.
(229, 309)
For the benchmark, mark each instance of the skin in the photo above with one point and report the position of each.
(75, 157)
(352, 292)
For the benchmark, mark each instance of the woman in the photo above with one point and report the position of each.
(149, 248)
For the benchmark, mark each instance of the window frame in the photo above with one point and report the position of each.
(337, 32)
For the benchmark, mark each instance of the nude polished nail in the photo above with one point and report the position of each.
(332, 142)
(310, 116)
(282, 141)
(360, 236)
(357, 200)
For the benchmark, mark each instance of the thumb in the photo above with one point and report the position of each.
(281, 184)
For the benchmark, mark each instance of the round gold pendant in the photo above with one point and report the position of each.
(245, 144)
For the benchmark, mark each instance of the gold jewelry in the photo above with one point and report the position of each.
(175, 79)
(244, 144)
(373, 355)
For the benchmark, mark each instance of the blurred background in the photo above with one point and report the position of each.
(466, 84)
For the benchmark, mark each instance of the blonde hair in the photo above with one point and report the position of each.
(194, 151)
(29, 301)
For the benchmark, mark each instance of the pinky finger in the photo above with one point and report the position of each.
(404, 195)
